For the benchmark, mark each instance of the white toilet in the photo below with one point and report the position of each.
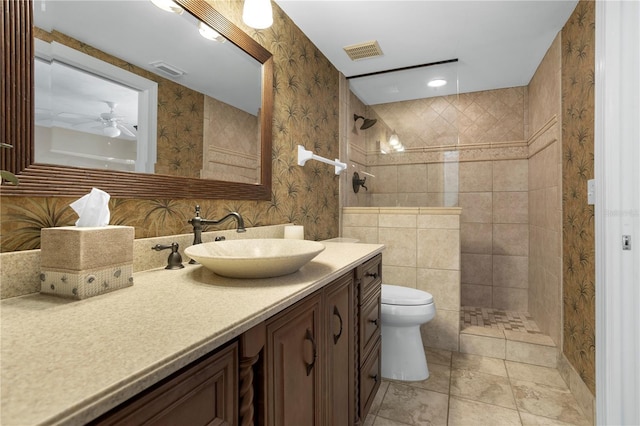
(404, 309)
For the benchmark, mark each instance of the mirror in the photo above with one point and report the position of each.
(42, 179)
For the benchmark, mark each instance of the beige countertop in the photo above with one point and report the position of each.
(67, 362)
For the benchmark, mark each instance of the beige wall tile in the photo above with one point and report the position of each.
(545, 87)
(511, 175)
(412, 178)
(435, 177)
(384, 200)
(476, 207)
(412, 199)
(370, 220)
(442, 331)
(435, 199)
(385, 180)
(476, 295)
(511, 239)
(511, 299)
(399, 275)
(363, 234)
(477, 268)
(444, 285)
(397, 221)
(536, 207)
(511, 207)
(482, 345)
(511, 271)
(400, 246)
(476, 176)
(438, 221)
(438, 249)
(476, 238)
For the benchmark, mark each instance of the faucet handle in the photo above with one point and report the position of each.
(174, 261)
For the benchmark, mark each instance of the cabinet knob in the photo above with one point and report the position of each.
(374, 377)
(374, 321)
(372, 274)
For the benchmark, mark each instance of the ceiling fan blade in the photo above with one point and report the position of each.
(126, 130)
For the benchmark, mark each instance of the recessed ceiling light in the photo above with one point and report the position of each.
(168, 5)
(437, 83)
(209, 33)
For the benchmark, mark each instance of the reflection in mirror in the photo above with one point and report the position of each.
(106, 105)
(174, 113)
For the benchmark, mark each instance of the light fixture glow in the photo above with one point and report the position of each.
(257, 14)
(168, 5)
(438, 82)
(394, 141)
(112, 131)
(209, 33)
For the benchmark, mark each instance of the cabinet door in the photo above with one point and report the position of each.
(340, 351)
(204, 393)
(294, 370)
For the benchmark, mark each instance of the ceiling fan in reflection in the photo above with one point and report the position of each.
(112, 124)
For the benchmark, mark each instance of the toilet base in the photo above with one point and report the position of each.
(403, 355)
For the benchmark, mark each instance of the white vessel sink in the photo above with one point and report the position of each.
(254, 258)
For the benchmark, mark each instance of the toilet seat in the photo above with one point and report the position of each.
(404, 296)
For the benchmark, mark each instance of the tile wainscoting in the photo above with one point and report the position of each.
(422, 251)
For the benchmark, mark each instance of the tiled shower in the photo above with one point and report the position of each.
(496, 155)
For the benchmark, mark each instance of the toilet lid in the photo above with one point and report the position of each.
(397, 295)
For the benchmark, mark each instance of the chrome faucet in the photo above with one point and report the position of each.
(198, 222)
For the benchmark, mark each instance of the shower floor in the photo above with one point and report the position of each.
(498, 319)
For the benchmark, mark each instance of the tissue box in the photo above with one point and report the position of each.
(80, 262)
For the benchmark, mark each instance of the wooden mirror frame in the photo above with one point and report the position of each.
(39, 180)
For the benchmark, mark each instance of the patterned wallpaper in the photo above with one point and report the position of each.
(306, 112)
(578, 83)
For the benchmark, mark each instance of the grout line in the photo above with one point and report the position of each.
(513, 394)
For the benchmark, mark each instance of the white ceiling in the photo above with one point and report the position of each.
(139, 33)
(498, 44)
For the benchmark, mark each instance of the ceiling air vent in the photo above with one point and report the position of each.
(369, 49)
(167, 69)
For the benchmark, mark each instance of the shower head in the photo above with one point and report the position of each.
(368, 122)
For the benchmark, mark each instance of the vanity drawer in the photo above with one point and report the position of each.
(370, 277)
(370, 378)
(369, 323)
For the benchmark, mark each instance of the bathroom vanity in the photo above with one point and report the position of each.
(192, 346)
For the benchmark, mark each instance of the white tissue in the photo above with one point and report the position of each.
(93, 209)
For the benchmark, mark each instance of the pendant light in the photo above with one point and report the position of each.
(257, 14)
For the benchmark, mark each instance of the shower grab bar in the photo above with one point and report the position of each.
(304, 155)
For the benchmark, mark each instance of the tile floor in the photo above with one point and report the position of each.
(466, 389)
(471, 316)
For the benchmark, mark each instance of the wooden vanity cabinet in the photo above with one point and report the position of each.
(339, 304)
(203, 393)
(314, 363)
(310, 358)
(368, 278)
(294, 364)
